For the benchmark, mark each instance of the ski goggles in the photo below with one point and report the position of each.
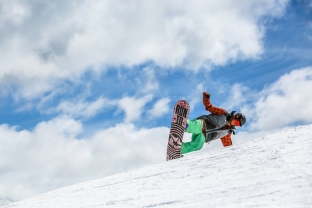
(237, 122)
(240, 119)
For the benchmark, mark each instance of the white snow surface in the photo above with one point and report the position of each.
(272, 171)
(4, 201)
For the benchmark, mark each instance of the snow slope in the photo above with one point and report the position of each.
(4, 201)
(273, 171)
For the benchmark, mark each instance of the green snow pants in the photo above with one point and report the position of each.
(198, 138)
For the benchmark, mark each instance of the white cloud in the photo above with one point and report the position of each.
(280, 105)
(308, 32)
(51, 41)
(151, 83)
(196, 98)
(82, 108)
(51, 155)
(160, 108)
(237, 96)
(283, 103)
(13, 12)
(133, 107)
(28, 156)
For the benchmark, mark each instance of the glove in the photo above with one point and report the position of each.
(206, 100)
(207, 95)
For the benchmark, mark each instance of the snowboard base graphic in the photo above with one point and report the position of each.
(178, 124)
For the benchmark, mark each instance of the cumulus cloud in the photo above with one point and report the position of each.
(51, 155)
(280, 105)
(194, 100)
(160, 108)
(151, 83)
(286, 102)
(133, 107)
(82, 108)
(13, 12)
(238, 96)
(43, 42)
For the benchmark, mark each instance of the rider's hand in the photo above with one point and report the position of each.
(206, 99)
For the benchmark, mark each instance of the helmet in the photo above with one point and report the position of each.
(241, 117)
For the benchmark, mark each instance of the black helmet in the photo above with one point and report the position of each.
(241, 117)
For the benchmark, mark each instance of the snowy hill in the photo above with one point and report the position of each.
(4, 201)
(273, 171)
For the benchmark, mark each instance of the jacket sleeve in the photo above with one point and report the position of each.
(226, 140)
(211, 108)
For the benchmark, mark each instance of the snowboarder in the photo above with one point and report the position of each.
(218, 124)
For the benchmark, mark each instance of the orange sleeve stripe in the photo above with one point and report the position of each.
(215, 110)
(211, 108)
(226, 140)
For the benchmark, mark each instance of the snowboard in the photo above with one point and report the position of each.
(178, 125)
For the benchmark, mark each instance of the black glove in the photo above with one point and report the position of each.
(207, 95)
(230, 116)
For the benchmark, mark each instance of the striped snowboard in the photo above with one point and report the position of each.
(178, 124)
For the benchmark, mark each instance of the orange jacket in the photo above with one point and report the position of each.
(226, 140)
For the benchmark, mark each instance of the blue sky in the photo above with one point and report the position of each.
(286, 46)
(89, 86)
